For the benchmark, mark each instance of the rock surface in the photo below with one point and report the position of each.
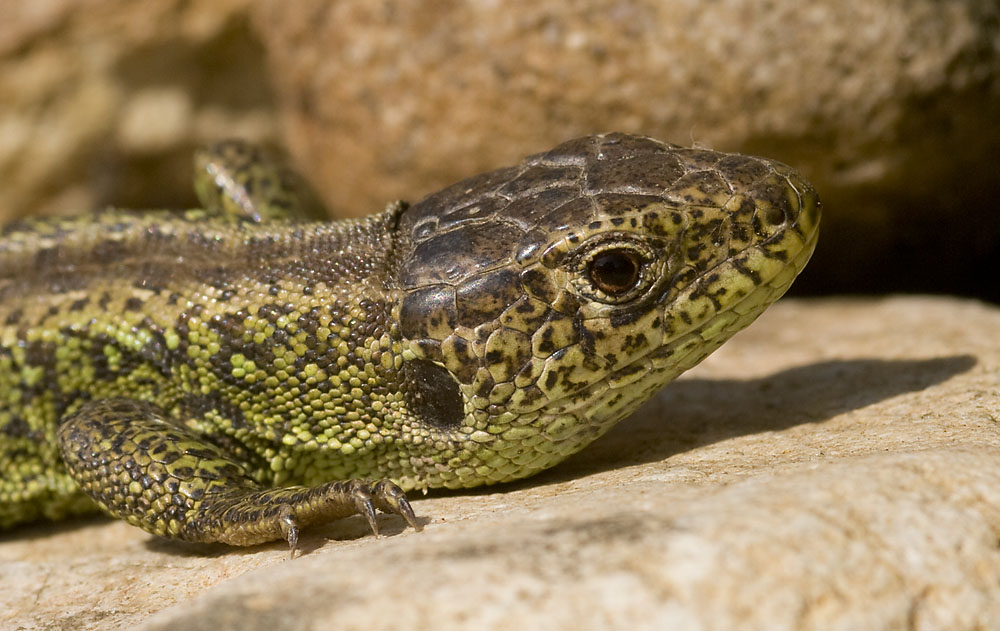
(104, 101)
(835, 466)
(889, 108)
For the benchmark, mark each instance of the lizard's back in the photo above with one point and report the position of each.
(152, 306)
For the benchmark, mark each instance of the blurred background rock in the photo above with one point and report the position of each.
(892, 109)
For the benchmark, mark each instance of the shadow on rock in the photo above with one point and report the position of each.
(694, 412)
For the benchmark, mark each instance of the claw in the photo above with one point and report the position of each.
(290, 530)
(362, 496)
(391, 499)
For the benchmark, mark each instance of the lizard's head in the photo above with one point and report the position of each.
(541, 303)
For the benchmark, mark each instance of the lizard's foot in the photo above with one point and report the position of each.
(159, 475)
(307, 506)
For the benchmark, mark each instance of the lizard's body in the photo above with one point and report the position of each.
(200, 364)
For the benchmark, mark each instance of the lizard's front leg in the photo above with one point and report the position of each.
(166, 479)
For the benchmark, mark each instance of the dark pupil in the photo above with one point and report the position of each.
(614, 271)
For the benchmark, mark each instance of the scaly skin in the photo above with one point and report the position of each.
(230, 374)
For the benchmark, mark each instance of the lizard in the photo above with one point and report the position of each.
(240, 371)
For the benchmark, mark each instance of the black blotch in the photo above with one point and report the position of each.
(14, 317)
(484, 297)
(16, 427)
(432, 394)
(428, 306)
(780, 255)
(748, 271)
(550, 380)
(625, 318)
(583, 334)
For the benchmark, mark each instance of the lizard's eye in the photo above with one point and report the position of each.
(615, 271)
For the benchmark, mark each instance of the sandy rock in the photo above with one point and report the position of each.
(889, 108)
(835, 466)
(104, 101)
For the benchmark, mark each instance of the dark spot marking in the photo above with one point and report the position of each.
(583, 334)
(483, 298)
(551, 379)
(780, 255)
(427, 309)
(16, 427)
(133, 304)
(432, 394)
(748, 271)
(774, 216)
(538, 284)
(624, 318)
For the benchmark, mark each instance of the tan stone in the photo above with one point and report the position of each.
(888, 107)
(835, 466)
(104, 101)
